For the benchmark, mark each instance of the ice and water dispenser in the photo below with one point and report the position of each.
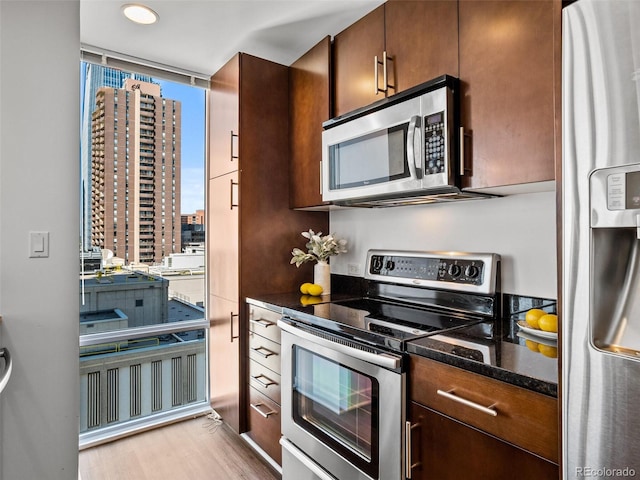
(615, 259)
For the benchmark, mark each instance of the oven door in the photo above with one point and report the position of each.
(343, 408)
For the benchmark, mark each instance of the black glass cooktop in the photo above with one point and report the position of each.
(380, 322)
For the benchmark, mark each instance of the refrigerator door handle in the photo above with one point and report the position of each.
(4, 353)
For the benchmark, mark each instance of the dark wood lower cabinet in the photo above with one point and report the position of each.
(445, 449)
(264, 424)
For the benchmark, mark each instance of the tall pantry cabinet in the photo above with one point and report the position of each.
(250, 228)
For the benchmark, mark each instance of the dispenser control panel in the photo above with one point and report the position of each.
(623, 190)
(614, 197)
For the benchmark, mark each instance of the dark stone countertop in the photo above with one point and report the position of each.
(504, 355)
(277, 302)
(507, 358)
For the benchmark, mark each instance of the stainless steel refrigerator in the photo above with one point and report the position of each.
(601, 239)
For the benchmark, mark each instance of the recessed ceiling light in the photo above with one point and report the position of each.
(139, 14)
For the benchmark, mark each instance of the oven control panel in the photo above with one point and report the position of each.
(449, 270)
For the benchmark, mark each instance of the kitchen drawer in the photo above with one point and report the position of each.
(264, 380)
(265, 352)
(264, 424)
(523, 418)
(264, 323)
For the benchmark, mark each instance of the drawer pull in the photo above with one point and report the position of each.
(262, 322)
(263, 352)
(257, 406)
(488, 410)
(266, 383)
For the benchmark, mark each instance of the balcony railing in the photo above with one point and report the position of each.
(136, 378)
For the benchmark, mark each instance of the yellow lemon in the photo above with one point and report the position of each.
(548, 322)
(531, 345)
(315, 290)
(548, 351)
(304, 288)
(533, 316)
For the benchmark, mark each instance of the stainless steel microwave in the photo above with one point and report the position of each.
(401, 149)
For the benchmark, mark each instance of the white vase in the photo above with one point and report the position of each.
(322, 276)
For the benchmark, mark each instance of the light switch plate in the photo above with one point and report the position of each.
(38, 244)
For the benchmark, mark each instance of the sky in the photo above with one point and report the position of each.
(193, 142)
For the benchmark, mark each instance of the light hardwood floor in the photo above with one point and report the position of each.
(195, 449)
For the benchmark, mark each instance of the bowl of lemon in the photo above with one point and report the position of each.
(540, 331)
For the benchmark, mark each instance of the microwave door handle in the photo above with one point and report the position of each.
(414, 160)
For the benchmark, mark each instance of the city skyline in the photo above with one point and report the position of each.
(193, 135)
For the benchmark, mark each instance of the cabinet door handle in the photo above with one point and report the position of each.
(233, 135)
(231, 325)
(385, 73)
(266, 383)
(262, 322)
(461, 150)
(463, 137)
(376, 88)
(409, 465)
(257, 406)
(231, 204)
(488, 410)
(263, 352)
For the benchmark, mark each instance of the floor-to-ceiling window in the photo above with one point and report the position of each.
(143, 332)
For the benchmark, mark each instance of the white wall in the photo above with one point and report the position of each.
(39, 172)
(521, 228)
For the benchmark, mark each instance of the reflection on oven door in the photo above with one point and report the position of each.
(297, 466)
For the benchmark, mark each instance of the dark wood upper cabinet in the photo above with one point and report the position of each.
(224, 98)
(509, 72)
(354, 50)
(420, 39)
(309, 107)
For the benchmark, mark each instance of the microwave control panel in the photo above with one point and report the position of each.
(435, 143)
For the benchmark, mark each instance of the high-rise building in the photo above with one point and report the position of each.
(193, 218)
(135, 198)
(95, 77)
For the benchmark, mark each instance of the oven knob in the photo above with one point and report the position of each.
(391, 265)
(472, 271)
(455, 270)
(376, 264)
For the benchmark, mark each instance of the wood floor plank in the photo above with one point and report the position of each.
(195, 449)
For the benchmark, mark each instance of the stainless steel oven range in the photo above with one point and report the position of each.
(344, 364)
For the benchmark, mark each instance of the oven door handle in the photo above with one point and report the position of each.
(304, 460)
(384, 360)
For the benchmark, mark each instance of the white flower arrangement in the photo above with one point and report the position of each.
(319, 248)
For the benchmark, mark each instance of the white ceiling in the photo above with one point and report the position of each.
(199, 36)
